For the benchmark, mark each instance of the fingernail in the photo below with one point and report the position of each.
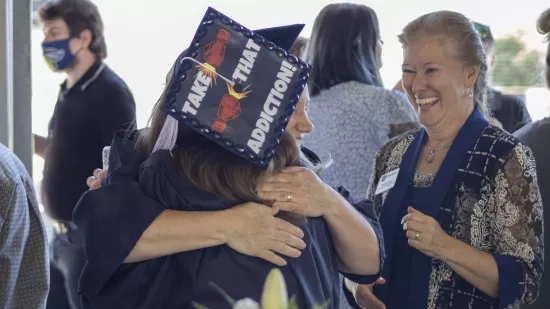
(402, 219)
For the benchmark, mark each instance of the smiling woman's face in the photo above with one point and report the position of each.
(438, 87)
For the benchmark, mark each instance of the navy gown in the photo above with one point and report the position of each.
(138, 189)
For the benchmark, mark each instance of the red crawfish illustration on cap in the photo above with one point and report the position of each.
(230, 108)
(214, 52)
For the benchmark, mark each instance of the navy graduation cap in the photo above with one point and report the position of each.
(236, 87)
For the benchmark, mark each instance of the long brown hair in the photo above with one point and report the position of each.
(211, 168)
(343, 46)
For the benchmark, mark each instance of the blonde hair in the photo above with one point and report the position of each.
(543, 26)
(467, 48)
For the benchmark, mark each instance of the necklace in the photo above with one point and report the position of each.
(430, 157)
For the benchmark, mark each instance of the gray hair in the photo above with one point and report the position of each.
(467, 47)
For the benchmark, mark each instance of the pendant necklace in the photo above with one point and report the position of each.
(431, 155)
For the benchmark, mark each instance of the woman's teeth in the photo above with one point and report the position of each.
(427, 101)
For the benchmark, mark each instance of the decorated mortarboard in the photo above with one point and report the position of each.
(236, 87)
(282, 36)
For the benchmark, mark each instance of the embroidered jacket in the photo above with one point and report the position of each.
(484, 194)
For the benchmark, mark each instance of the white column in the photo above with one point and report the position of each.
(23, 141)
(15, 79)
(6, 74)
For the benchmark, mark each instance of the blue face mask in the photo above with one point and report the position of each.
(57, 54)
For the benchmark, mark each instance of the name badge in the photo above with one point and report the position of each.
(387, 181)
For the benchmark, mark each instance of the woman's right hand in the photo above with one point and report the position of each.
(364, 296)
(254, 230)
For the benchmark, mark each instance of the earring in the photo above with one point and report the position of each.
(471, 94)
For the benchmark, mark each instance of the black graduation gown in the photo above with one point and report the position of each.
(112, 219)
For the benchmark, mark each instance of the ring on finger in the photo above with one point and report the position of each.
(289, 198)
(416, 236)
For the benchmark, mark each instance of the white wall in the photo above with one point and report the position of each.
(145, 37)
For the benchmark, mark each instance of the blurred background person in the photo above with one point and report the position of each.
(509, 110)
(74, 44)
(24, 264)
(536, 135)
(353, 114)
(298, 49)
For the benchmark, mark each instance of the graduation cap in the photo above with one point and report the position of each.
(235, 86)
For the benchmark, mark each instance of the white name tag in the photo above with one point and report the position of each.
(387, 181)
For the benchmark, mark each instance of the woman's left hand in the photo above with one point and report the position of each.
(298, 190)
(424, 233)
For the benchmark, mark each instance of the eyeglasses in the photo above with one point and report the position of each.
(483, 30)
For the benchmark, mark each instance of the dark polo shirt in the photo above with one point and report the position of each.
(84, 121)
(510, 110)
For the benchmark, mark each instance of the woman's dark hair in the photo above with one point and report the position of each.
(342, 47)
(211, 168)
(79, 15)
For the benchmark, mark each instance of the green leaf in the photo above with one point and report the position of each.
(323, 306)
(292, 303)
(228, 298)
(199, 306)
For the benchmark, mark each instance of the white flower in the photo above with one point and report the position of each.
(246, 303)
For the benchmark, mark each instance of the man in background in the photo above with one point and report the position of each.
(93, 103)
(24, 265)
(298, 49)
(509, 110)
(536, 136)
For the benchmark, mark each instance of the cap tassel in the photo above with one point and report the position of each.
(168, 135)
